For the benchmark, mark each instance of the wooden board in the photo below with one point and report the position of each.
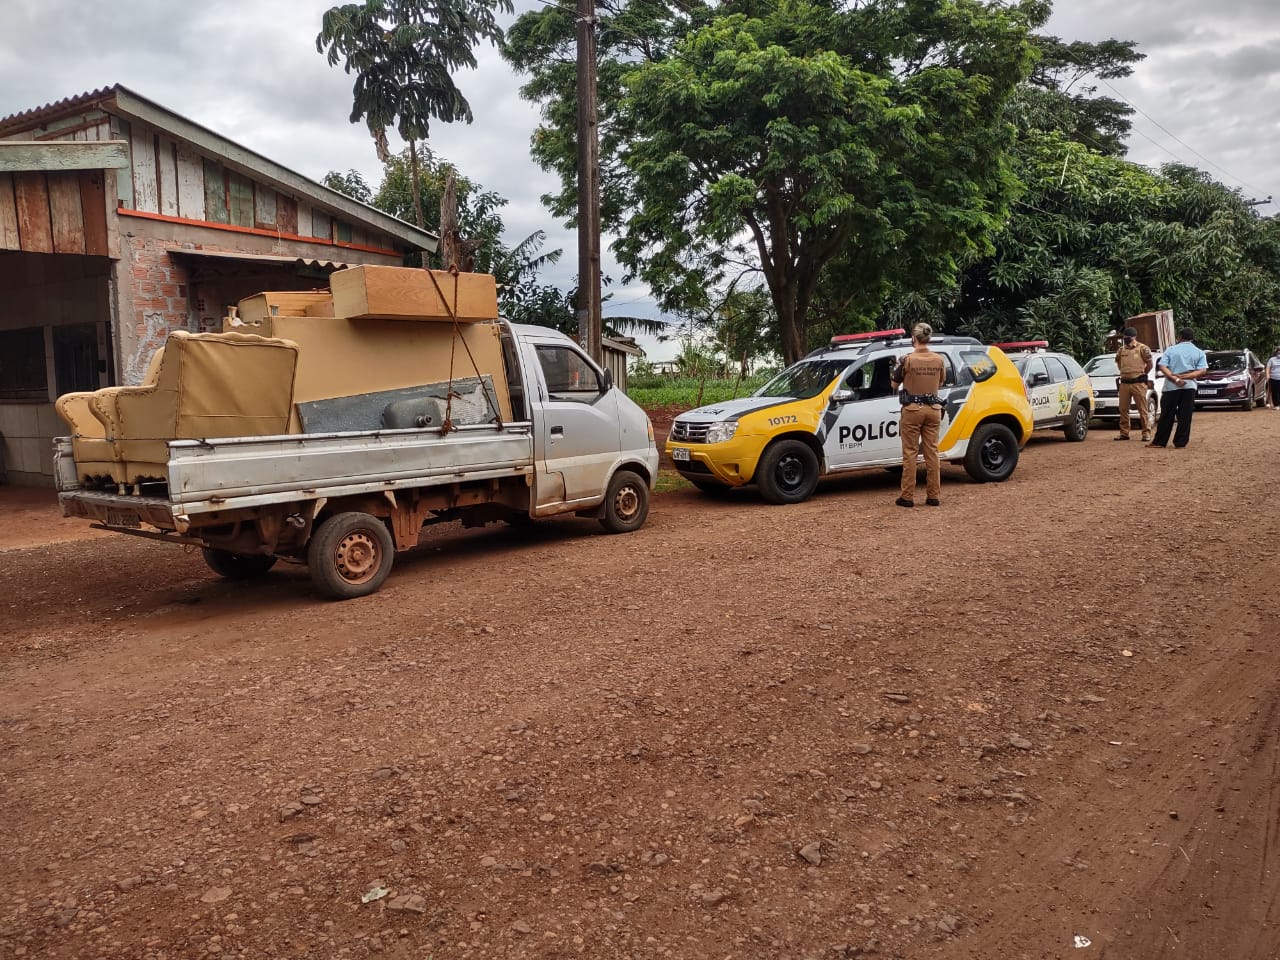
(168, 175)
(8, 214)
(240, 200)
(34, 229)
(93, 206)
(264, 208)
(286, 214)
(190, 183)
(215, 193)
(406, 293)
(145, 192)
(64, 210)
(321, 224)
(304, 219)
(124, 180)
(22, 155)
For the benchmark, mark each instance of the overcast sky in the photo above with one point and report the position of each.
(1209, 89)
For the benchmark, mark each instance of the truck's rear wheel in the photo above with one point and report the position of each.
(626, 503)
(350, 555)
(788, 472)
(992, 453)
(237, 566)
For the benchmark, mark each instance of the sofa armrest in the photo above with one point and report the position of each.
(76, 410)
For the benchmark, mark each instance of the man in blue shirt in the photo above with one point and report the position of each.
(1182, 365)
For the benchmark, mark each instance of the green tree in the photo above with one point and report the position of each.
(792, 137)
(403, 54)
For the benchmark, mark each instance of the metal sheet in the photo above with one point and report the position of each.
(364, 411)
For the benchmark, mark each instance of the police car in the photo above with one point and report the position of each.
(836, 411)
(1060, 392)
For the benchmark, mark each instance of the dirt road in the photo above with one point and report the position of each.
(1046, 711)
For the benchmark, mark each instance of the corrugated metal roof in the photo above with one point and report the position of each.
(26, 117)
(263, 258)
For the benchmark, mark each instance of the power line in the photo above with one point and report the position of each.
(1178, 139)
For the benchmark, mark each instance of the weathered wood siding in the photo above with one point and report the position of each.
(54, 212)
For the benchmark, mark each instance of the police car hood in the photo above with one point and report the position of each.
(731, 409)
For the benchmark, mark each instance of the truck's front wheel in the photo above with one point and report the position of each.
(350, 555)
(237, 566)
(626, 503)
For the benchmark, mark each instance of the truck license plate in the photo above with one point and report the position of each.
(680, 453)
(123, 518)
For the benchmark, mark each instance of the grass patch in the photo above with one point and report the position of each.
(682, 392)
(669, 481)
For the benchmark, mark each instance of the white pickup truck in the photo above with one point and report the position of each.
(345, 502)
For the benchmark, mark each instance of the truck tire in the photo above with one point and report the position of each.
(350, 555)
(626, 503)
(237, 566)
(1077, 426)
(992, 453)
(788, 472)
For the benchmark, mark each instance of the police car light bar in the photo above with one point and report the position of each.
(866, 337)
(1018, 346)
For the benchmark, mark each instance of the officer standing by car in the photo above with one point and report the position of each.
(920, 375)
(1134, 361)
(1182, 365)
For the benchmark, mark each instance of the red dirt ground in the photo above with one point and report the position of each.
(1047, 710)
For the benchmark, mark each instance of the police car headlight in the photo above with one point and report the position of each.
(722, 431)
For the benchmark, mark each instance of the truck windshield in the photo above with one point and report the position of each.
(806, 379)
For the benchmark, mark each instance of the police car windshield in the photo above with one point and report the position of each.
(806, 379)
(1104, 366)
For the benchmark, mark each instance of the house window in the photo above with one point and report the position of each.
(22, 368)
(75, 358)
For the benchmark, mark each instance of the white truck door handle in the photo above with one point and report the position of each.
(557, 431)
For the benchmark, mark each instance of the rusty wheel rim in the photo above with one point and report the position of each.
(626, 503)
(358, 557)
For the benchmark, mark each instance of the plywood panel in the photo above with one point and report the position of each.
(321, 224)
(286, 214)
(264, 208)
(145, 194)
(168, 176)
(190, 168)
(8, 214)
(31, 194)
(240, 200)
(304, 219)
(65, 216)
(93, 207)
(215, 193)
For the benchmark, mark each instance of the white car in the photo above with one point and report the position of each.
(1104, 373)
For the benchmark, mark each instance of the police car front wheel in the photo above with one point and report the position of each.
(788, 472)
(992, 453)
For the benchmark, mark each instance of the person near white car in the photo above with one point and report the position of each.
(1134, 361)
(1273, 380)
(1182, 364)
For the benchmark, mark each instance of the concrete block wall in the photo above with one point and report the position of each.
(26, 432)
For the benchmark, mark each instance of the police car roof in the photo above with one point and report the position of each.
(871, 346)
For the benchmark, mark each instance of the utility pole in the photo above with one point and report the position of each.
(590, 325)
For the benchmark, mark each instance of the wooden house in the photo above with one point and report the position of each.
(120, 222)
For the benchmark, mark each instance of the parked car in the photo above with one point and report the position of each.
(1236, 378)
(1105, 376)
(835, 410)
(1058, 389)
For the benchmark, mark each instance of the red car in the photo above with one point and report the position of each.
(1236, 378)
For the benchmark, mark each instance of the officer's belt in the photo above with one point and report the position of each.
(928, 399)
(1141, 379)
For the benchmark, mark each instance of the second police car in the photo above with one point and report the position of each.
(836, 411)
(1059, 390)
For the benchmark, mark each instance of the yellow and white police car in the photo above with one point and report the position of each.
(836, 411)
(1060, 392)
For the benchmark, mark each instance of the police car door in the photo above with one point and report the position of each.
(1041, 391)
(862, 422)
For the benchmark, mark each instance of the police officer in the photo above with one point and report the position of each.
(920, 375)
(1134, 361)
